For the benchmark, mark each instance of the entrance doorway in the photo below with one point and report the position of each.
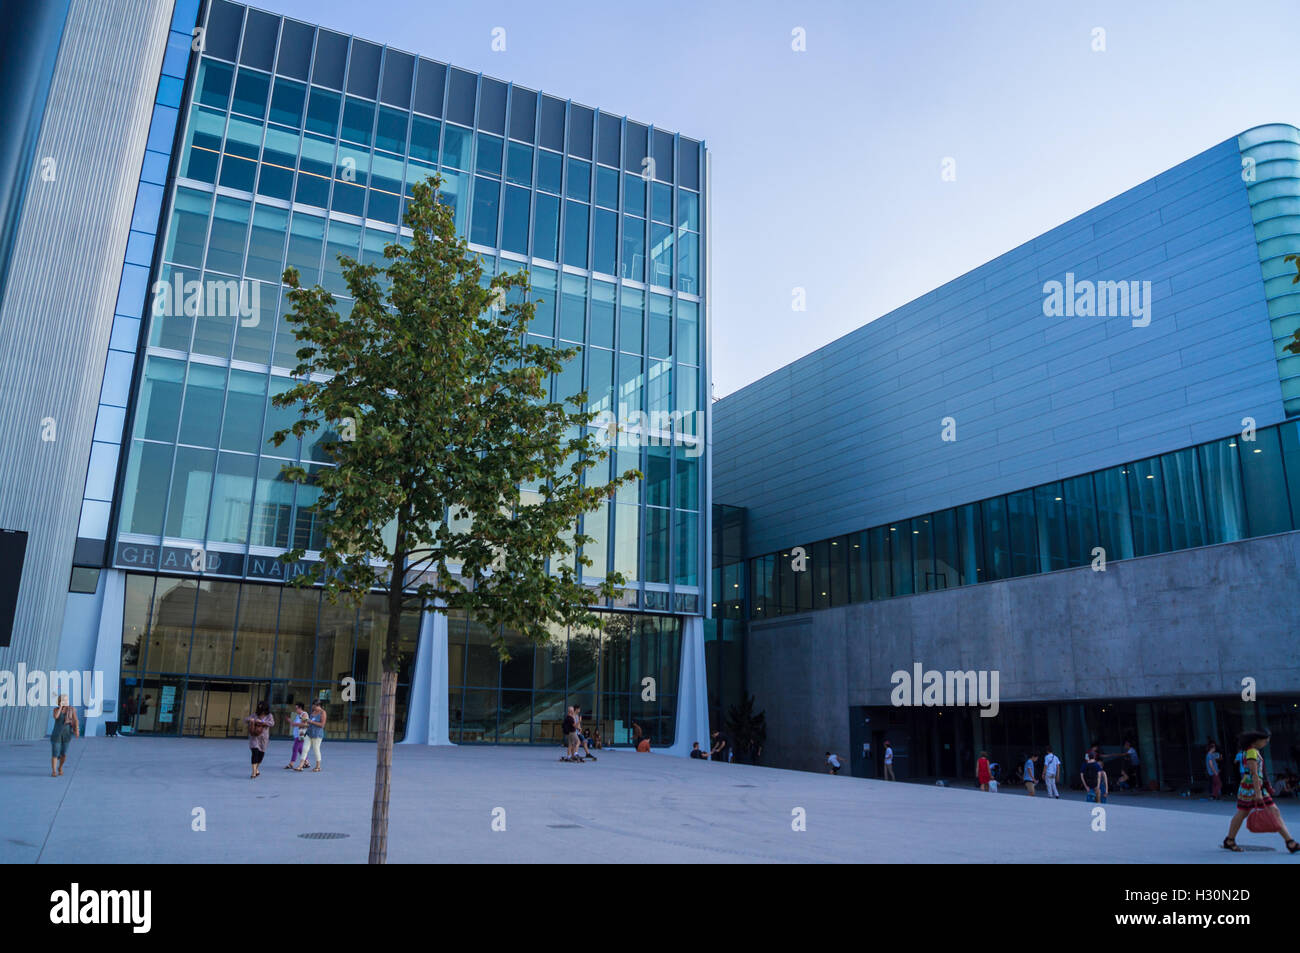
(216, 708)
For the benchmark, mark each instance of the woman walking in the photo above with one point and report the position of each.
(982, 772)
(1254, 793)
(66, 728)
(259, 731)
(315, 734)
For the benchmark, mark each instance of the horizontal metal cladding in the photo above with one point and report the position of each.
(851, 436)
(1271, 166)
(57, 313)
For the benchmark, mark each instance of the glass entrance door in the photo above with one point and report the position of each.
(216, 708)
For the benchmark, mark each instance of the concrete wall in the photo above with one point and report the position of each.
(57, 313)
(1188, 623)
(849, 437)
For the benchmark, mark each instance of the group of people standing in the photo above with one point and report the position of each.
(575, 738)
(308, 731)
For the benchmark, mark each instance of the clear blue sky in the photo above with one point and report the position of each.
(826, 163)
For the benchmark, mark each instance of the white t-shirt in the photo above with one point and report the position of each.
(833, 761)
(889, 756)
(1050, 764)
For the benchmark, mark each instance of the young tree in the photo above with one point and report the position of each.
(457, 480)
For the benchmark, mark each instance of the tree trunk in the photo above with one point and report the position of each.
(383, 770)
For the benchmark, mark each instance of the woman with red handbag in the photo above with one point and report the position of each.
(1254, 799)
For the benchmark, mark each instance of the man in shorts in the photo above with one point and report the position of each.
(570, 736)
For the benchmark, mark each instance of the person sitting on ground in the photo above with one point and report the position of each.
(696, 752)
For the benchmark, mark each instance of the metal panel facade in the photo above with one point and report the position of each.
(850, 436)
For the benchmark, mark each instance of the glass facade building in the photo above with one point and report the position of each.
(289, 145)
(1217, 492)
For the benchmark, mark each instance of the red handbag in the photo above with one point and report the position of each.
(1264, 820)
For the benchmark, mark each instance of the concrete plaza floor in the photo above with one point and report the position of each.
(134, 800)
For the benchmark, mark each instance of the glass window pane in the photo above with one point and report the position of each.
(630, 320)
(514, 228)
(519, 164)
(634, 189)
(633, 266)
(232, 498)
(1080, 520)
(1050, 522)
(144, 491)
(900, 551)
(272, 505)
(1289, 434)
(1113, 512)
(424, 138)
(306, 239)
(202, 148)
(323, 112)
(187, 237)
(1267, 508)
(187, 507)
(456, 143)
(358, 120)
(970, 543)
(573, 306)
(602, 314)
(686, 541)
(1147, 502)
(997, 542)
(487, 206)
(488, 159)
(454, 192)
(213, 83)
(579, 182)
(242, 420)
(226, 243)
(344, 240)
(688, 210)
(1186, 512)
(881, 570)
(201, 415)
(158, 411)
(251, 91)
(688, 263)
(255, 635)
(543, 294)
(242, 149)
(944, 527)
(606, 187)
(546, 227)
(316, 168)
(549, 171)
(287, 102)
(390, 133)
(575, 234)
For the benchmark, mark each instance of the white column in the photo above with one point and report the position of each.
(692, 692)
(108, 649)
(426, 708)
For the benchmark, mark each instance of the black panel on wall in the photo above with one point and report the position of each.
(13, 548)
